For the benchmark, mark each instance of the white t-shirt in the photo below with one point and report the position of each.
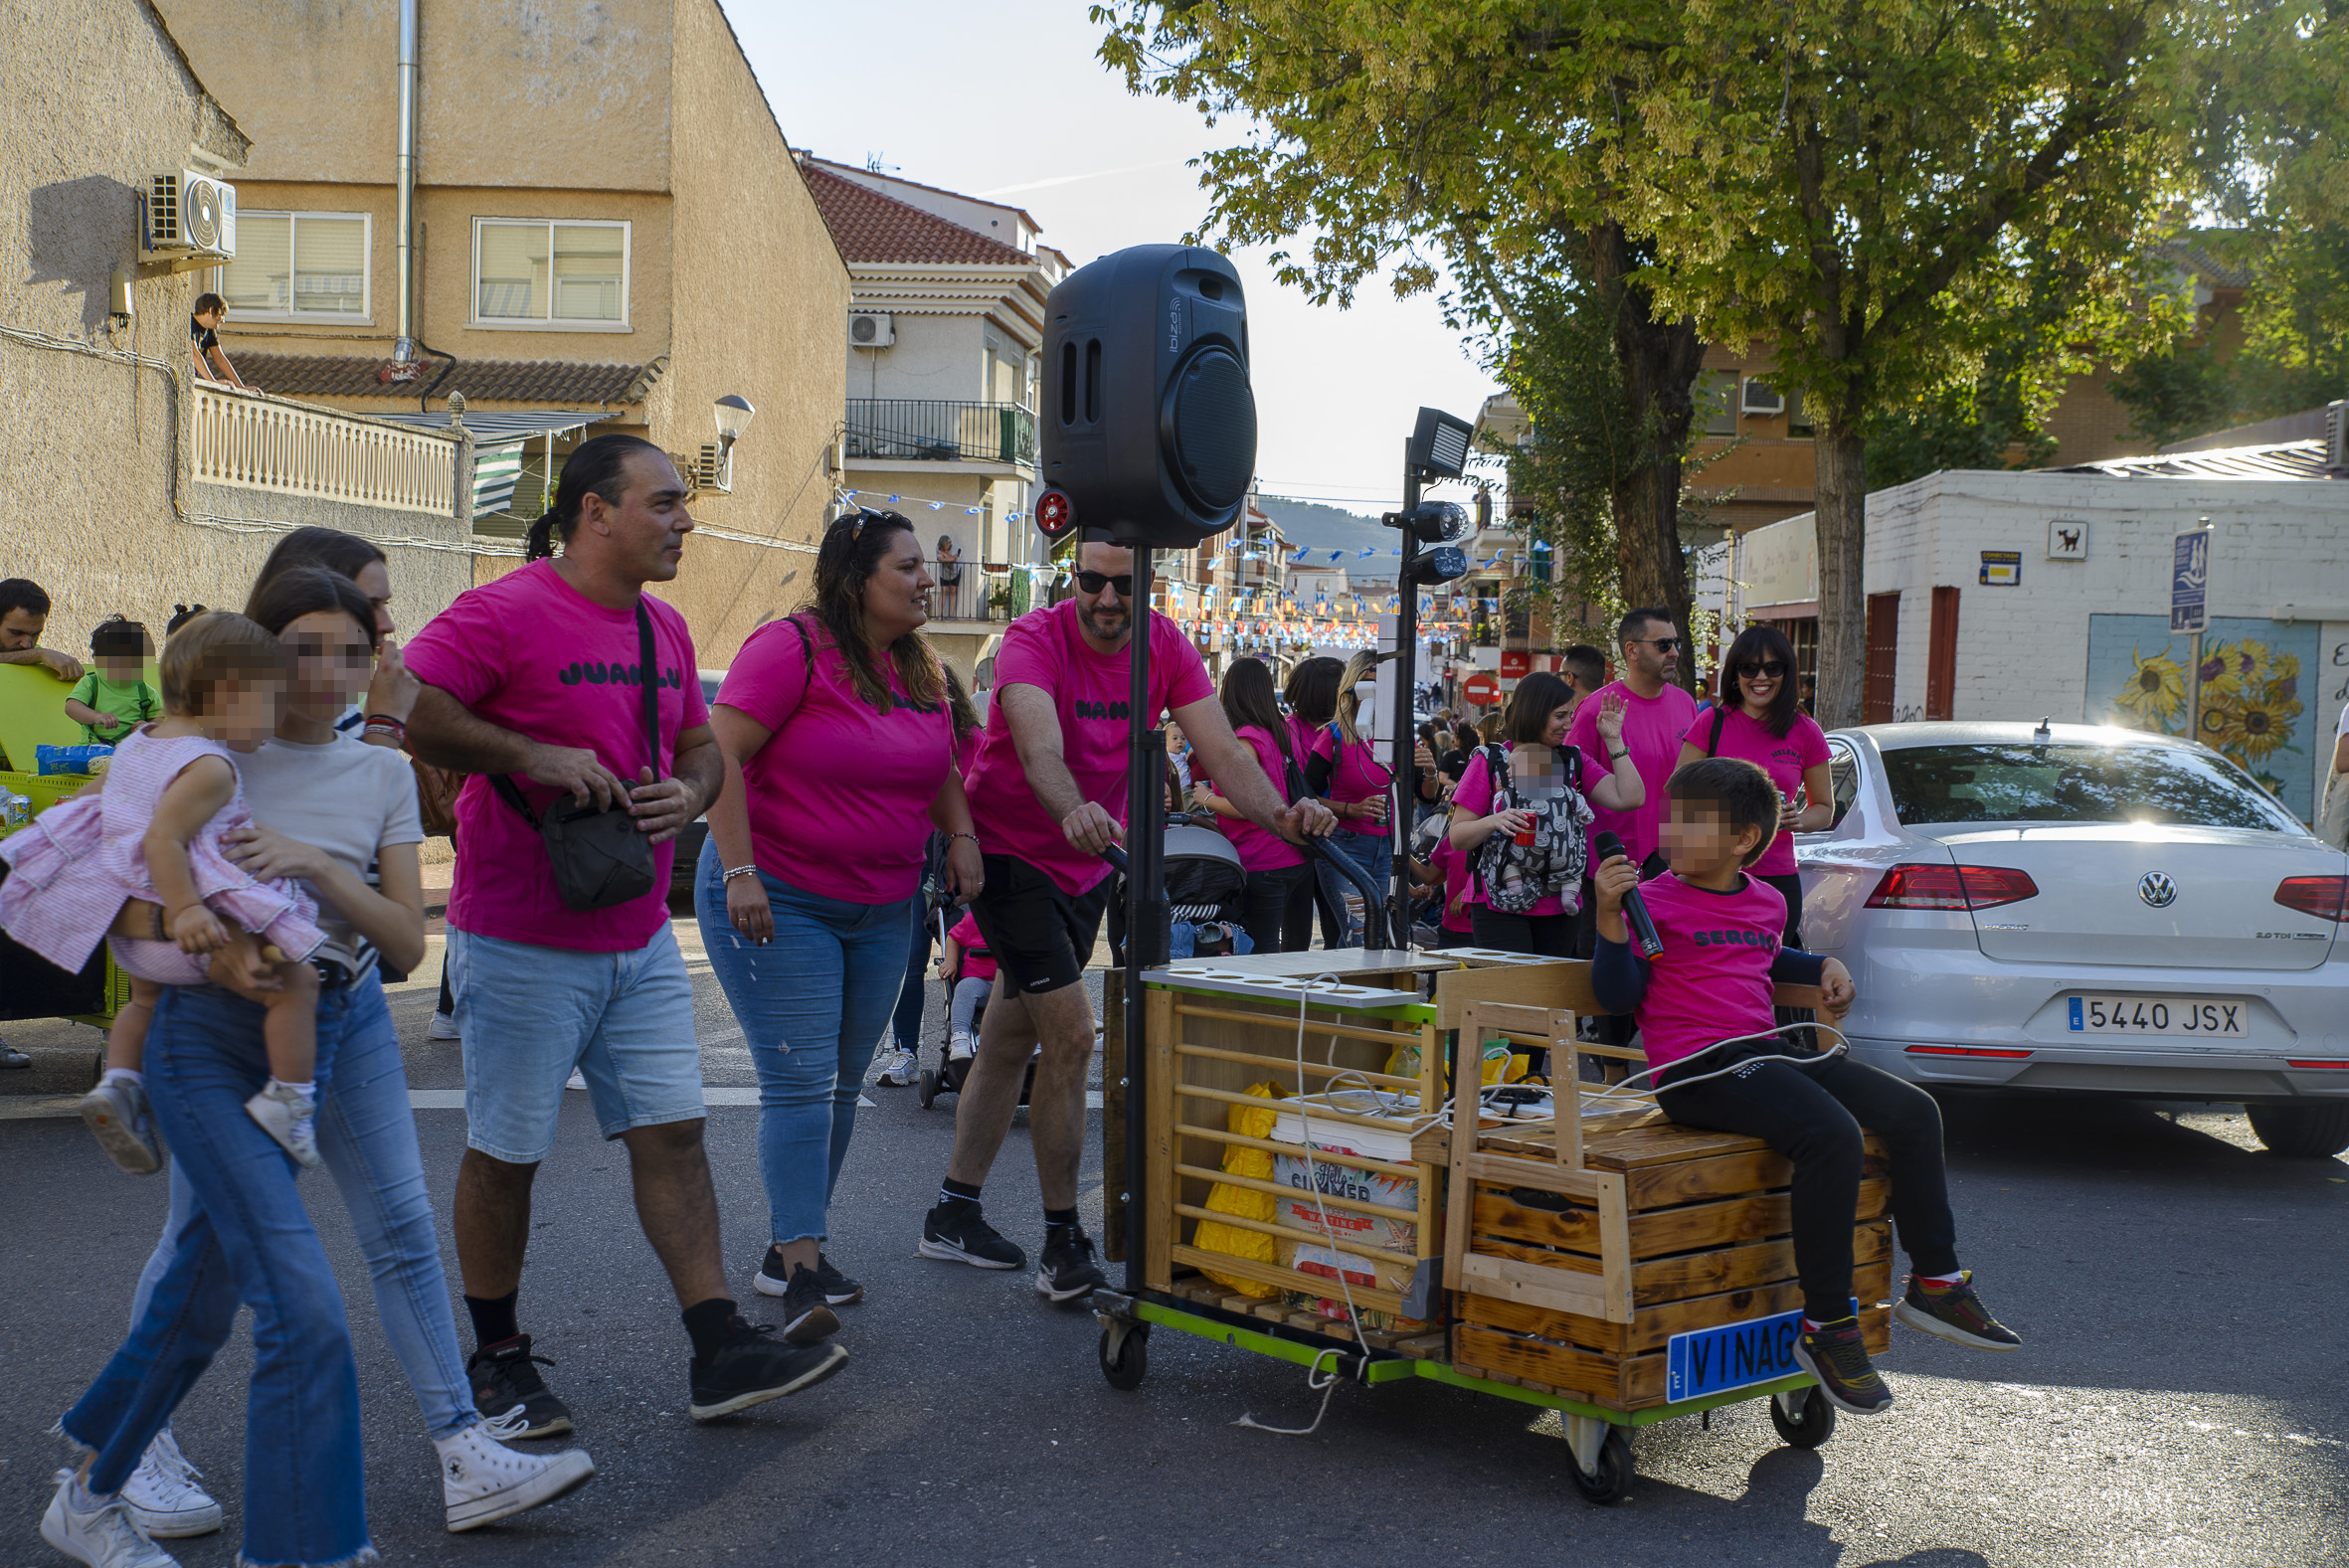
(346, 797)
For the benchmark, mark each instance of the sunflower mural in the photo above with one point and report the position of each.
(2249, 681)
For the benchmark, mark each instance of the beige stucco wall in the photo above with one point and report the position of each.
(557, 94)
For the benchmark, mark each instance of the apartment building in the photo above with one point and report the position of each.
(581, 218)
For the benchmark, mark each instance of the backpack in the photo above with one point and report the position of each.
(1515, 877)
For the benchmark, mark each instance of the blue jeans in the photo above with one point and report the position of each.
(1369, 851)
(812, 1004)
(905, 1026)
(250, 1240)
(367, 1136)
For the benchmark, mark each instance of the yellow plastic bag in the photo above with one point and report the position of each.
(1501, 1066)
(1245, 1202)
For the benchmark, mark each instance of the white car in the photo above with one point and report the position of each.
(2091, 910)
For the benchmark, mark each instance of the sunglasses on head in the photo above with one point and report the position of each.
(1775, 669)
(1095, 582)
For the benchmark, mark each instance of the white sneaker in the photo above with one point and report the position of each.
(98, 1533)
(960, 1049)
(483, 1480)
(162, 1496)
(290, 1116)
(119, 1118)
(444, 1028)
(577, 1079)
(899, 1068)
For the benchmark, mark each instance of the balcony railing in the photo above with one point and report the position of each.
(929, 429)
(994, 594)
(259, 443)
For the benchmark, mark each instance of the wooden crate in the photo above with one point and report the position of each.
(1575, 1257)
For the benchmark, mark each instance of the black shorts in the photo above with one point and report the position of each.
(1042, 935)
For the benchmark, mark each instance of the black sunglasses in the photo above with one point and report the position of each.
(1660, 645)
(1775, 669)
(1095, 582)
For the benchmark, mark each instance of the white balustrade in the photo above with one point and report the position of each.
(259, 443)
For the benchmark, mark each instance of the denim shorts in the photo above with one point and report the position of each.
(530, 1014)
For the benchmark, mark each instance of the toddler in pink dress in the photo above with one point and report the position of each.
(150, 830)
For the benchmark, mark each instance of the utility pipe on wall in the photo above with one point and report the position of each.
(403, 244)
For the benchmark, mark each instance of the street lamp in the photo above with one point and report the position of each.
(716, 465)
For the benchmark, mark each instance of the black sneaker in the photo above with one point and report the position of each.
(1957, 1313)
(839, 1289)
(1835, 1354)
(959, 1233)
(806, 1317)
(752, 1368)
(506, 1376)
(1068, 1270)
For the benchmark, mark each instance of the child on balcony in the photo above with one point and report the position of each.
(152, 831)
(113, 700)
(1705, 1015)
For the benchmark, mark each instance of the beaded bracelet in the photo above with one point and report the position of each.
(973, 837)
(738, 871)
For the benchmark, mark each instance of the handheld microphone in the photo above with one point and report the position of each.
(1635, 909)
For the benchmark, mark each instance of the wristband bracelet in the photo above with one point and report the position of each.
(973, 837)
(738, 871)
(386, 720)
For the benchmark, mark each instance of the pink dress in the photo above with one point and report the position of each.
(71, 869)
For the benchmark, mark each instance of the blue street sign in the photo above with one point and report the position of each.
(2190, 581)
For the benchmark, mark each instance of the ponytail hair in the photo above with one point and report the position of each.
(599, 467)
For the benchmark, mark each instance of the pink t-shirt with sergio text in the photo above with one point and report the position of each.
(1651, 731)
(532, 654)
(1712, 982)
(1044, 650)
(1258, 849)
(839, 796)
(1784, 758)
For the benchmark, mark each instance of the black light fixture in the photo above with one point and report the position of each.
(1432, 523)
(1439, 444)
(1443, 563)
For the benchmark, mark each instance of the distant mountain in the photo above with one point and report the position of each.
(1320, 529)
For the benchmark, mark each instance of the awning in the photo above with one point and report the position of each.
(498, 438)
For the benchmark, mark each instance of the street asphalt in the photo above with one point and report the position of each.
(2179, 1399)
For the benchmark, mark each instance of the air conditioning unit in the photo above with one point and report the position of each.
(713, 469)
(191, 213)
(1762, 398)
(871, 329)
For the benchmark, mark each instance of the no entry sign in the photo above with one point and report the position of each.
(1483, 688)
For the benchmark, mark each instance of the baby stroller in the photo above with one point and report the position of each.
(948, 1075)
(1205, 888)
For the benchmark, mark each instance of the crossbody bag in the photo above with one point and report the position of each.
(599, 857)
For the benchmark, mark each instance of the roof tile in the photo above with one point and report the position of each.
(537, 382)
(870, 227)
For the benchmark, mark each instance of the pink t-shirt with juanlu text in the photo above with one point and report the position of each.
(1651, 731)
(1258, 849)
(1090, 694)
(1712, 982)
(839, 796)
(532, 654)
(1784, 758)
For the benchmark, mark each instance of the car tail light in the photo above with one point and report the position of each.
(2289, 1062)
(1952, 887)
(1965, 1050)
(2327, 898)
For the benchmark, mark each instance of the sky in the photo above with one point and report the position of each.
(1008, 102)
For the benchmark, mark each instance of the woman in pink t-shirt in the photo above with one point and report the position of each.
(1279, 908)
(839, 753)
(1758, 720)
(1344, 770)
(1311, 695)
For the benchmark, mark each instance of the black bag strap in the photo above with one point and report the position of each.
(1720, 716)
(647, 682)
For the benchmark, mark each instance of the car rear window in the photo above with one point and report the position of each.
(2077, 784)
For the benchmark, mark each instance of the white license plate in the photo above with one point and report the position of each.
(2215, 1018)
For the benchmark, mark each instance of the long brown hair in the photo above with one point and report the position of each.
(853, 550)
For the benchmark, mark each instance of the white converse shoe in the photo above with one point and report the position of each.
(899, 1068)
(483, 1480)
(290, 1116)
(959, 1048)
(162, 1496)
(444, 1027)
(97, 1531)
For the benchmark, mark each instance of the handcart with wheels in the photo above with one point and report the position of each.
(1564, 1246)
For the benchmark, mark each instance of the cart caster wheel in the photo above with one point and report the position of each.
(1610, 1483)
(1125, 1366)
(926, 1088)
(1811, 1422)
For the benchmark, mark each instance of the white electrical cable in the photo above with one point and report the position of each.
(1840, 1047)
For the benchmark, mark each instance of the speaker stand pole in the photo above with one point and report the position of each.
(1145, 896)
(1406, 682)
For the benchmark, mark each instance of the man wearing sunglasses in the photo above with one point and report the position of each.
(1047, 796)
(1656, 715)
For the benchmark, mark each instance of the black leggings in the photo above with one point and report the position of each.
(1790, 887)
(1540, 936)
(1813, 1115)
(1274, 905)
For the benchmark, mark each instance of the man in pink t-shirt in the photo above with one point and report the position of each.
(1656, 714)
(538, 678)
(1048, 795)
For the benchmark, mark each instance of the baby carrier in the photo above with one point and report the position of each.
(1515, 877)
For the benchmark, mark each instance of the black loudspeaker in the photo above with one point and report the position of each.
(1149, 423)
